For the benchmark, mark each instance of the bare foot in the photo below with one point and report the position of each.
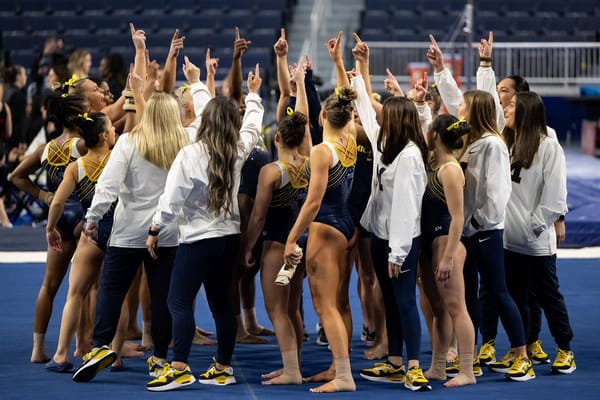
(203, 340)
(451, 356)
(325, 376)
(377, 352)
(39, 357)
(272, 374)
(461, 380)
(203, 332)
(250, 339)
(335, 386)
(429, 374)
(285, 379)
(130, 350)
(260, 331)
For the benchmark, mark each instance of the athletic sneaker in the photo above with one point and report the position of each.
(453, 368)
(416, 381)
(521, 370)
(321, 338)
(487, 353)
(367, 336)
(155, 366)
(504, 364)
(94, 362)
(536, 354)
(170, 379)
(384, 372)
(214, 376)
(564, 362)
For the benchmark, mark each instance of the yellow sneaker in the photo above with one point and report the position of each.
(416, 381)
(487, 353)
(384, 372)
(521, 370)
(564, 362)
(504, 364)
(536, 354)
(170, 379)
(214, 376)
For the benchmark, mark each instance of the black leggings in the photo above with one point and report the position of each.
(120, 267)
(485, 260)
(209, 262)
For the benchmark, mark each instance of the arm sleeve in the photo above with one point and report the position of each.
(366, 113)
(553, 199)
(424, 117)
(113, 175)
(252, 123)
(496, 186)
(486, 81)
(405, 208)
(314, 103)
(200, 96)
(449, 91)
(177, 188)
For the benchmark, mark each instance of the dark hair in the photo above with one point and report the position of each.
(92, 126)
(433, 95)
(529, 127)
(451, 130)
(400, 123)
(292, 129)
(116, 65)
(11, 73)
(481, 115)
(338, 107)
(61, 71)
(520, 84)
(66, 108)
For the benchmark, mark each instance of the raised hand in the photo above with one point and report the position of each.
(360, 50)
(421, 89)
(240, 45)
(254, 80)
(309, 65)
(281, 46)
(138, 37)
(485, 46)
(435, 56)
(334, 47)
(391, 84)
(211, 63)
(298, 71)
(190, 71)
(176, 44)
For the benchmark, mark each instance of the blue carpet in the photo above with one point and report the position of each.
(22, 380)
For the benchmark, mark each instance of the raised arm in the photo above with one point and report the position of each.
(298, 73)
(449, 91)
(486, 77)
(167, 83)
(232, 86)
(334, 47)
(211, 70)
(361, 54)
(283, 75)
(253, 117)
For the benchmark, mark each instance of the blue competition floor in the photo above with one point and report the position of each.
(22, 380)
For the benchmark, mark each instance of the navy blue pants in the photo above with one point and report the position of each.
(536, 275)
(120, 267)
(209, 262)
(399, 297)
(485, 261)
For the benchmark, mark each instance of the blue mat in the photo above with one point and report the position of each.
(583, 199)
(22, 380)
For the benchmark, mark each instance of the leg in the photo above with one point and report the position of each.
(56, 268)
(325, 250)
(133, 301)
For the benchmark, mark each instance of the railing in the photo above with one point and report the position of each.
(567, 65)
(321, 10)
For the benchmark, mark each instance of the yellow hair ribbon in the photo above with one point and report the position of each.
(456, 124)
(289, 111)
(71, 81)
(337, 91)
(183, 88)
(64, 95)
(86, 117)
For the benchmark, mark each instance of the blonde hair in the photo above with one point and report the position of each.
(76, 61)
(160, 135)
(220, 133)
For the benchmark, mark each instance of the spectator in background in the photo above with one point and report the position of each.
(80, 63)
(15, 78)
(5, 134)
(112, 71)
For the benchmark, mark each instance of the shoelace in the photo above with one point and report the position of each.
(562, 356)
